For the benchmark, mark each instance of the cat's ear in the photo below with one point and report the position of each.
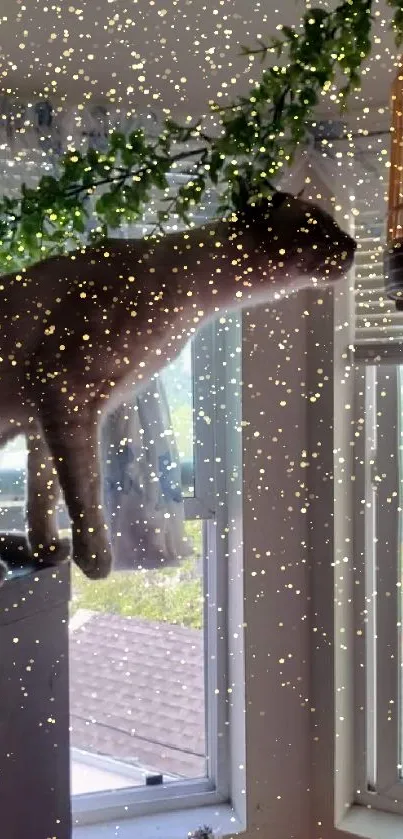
(279, 198)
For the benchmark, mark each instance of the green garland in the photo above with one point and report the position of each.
(259, 135)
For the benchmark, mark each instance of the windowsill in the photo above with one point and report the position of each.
(371, 824)
(171, 825)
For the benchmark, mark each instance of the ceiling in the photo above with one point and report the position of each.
(174, 54)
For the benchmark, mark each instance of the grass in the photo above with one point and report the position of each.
(174, 595)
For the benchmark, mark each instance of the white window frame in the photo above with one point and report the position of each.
(216, 377)
(342, 807)
(377, 485)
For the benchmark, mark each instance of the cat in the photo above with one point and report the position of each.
(81, 330)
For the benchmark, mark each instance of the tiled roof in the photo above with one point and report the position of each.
(137, 692)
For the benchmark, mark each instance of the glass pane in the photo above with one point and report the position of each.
(137, 652)
(137, 676)
(13, 462)
(137, 686)
(177, 380)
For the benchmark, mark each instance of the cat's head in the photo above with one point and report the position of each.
(302, 238)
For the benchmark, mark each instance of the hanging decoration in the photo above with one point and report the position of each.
(393, 256)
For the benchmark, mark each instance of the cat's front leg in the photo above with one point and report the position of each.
(73, 442)
(43, 493)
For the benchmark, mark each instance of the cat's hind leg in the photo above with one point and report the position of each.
(73, 441)
(43, 494)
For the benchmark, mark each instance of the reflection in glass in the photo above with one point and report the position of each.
(177, 380)
(137, 676)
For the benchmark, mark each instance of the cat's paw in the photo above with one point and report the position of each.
(56, 553)
(95, 566)
(93, 556)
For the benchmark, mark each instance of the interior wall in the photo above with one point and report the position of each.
(276, 576)
(288, 520)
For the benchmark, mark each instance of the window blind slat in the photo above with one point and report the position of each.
(376, 318)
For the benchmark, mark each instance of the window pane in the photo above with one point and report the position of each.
(13, 461)
(137, 687)
(177, 380)
(137, 676)
(377, 541)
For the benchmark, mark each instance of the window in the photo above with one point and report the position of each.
(354, 487)
(138, 698)
(378, 536)
(148, 649)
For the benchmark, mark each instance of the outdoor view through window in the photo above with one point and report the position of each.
(137, 694)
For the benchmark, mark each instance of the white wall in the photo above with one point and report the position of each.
(277, 603)
(290, 362)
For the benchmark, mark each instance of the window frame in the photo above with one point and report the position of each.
(378, 782)
(269, 722)
(338, 811)
(214, 360)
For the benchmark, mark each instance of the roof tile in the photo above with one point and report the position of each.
(137, 692)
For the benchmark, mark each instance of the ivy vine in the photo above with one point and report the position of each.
(259, 136)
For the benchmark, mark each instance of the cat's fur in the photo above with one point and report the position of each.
(80, 331)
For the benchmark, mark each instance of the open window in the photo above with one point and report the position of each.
(149, 650)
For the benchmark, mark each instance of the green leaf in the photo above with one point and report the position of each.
(117, 141)
(137, 141)
(79, 224)
(159, 178)
(132, 199)
(92, 157)
(216, 164)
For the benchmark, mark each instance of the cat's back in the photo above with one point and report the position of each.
(34, 300)
(62, 294)
(25, 298)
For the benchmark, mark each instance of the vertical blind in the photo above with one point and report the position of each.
(376, 318)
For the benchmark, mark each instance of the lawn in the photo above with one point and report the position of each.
(174, 595)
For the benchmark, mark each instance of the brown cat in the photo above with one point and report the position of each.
(77, 330)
